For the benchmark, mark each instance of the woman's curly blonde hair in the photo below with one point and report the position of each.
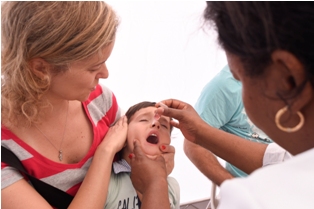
(55, 31)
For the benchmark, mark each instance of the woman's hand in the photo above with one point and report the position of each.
(149, 177)
(189, 122)
(116, 136)
(146, 171)
(168, 154)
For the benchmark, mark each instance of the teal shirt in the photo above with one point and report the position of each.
(220, 105)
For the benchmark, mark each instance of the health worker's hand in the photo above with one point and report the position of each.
(146, 173)
(168, 152)
(189, 122)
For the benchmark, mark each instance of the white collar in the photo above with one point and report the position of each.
(121, 166)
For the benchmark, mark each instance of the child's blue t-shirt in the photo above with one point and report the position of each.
(220, 105)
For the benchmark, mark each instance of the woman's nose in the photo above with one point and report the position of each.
(104, 73)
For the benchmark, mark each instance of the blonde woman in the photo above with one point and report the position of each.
(55, 115)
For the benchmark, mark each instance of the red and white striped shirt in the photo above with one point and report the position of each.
(102, 110)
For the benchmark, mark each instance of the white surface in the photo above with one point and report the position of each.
(162, 52)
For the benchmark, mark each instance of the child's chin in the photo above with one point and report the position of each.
(152, 151)
(152, 156)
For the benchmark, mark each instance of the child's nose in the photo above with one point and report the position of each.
(156, 124)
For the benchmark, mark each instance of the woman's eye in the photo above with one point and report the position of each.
(92, 70)
(95, 68)
(143, 120)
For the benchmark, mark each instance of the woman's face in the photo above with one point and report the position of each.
(264, 95)
(149, 132)
(257, 96)
(82, 77)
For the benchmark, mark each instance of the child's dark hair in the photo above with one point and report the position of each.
(132, 110)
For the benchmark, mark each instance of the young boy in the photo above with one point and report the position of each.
(151, 133)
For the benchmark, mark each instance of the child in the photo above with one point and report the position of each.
(151, 133)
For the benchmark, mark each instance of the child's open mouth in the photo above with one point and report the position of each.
(153, 139)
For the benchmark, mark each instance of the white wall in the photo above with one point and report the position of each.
(162, 52)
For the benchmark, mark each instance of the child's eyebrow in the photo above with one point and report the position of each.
(145, 114)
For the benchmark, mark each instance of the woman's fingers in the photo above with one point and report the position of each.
(165, 148)
(116, 135)
(168, 152)
(138, 152)
(172, 108)
(145, 170)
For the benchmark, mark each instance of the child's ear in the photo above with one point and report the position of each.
(39, 67)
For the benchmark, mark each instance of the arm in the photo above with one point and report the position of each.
(244, 154)
(206, 162)
(93, 190)
(149, 177)
(97, 179)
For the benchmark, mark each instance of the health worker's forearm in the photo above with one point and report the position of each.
(244, 154)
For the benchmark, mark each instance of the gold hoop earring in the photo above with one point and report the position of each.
(288, 129)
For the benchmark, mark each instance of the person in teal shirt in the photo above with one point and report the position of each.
(220, 105)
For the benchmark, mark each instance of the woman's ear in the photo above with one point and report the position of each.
(39, 67)
(294, 79)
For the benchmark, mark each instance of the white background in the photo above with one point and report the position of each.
(163, 51)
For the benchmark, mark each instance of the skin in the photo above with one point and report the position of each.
(142, 125)
(220, 143)
(206, 162)
(154, 190)
(168, 152)
(70, 88)
(285, 74)
(279, 85)
(262, 98)
(81, 79)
